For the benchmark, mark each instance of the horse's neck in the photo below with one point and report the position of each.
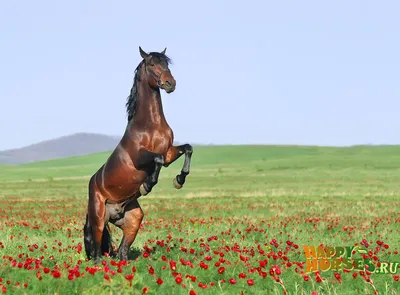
(150, 108)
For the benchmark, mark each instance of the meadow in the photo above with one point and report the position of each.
(238, 226)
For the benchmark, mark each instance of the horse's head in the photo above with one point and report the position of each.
(157, 66)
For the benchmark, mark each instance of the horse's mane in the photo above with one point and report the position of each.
(131, 103)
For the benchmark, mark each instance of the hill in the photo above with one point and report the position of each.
(66, 146)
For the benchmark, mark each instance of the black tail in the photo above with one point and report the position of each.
(88, 239)
(106, 242)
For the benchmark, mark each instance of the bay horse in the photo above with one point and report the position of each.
(133, 167)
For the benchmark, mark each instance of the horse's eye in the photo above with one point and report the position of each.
(152, 65)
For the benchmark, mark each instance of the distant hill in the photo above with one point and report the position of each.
(66, 146)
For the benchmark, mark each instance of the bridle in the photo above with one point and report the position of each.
(157, 78)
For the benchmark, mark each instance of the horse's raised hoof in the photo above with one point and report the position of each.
(176, 184)
(142, 190)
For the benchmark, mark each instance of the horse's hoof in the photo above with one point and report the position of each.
(97, 260)
(143, 191)
(176, 184)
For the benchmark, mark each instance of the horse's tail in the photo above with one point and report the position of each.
(106, 241)
(88, 239)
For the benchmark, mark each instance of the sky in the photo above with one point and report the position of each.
(247, 72)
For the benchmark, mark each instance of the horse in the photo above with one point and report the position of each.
(133, 168)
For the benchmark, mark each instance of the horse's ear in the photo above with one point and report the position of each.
(163, 52)
(143, 54)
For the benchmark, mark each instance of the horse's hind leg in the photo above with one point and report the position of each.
(95, 223)
(130, 226)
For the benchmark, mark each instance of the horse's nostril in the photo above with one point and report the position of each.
(167, 83)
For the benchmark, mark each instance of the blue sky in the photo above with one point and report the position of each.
(251, 72)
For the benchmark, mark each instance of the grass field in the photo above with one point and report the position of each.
(238, 226)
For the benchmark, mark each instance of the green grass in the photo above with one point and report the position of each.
(244, 195)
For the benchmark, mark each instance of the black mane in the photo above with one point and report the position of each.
(131, 102)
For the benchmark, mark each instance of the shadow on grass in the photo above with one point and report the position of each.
(135, 253)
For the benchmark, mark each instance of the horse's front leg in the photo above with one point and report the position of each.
(172, 155)
(147, 159)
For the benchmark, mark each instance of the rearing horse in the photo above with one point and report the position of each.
(133, 168)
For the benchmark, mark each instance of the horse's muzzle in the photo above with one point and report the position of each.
(167, 82)
(169, 87)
